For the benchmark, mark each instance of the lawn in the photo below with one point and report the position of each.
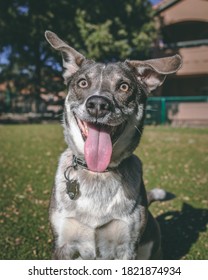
(175, 159)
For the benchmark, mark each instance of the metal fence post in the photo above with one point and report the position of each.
(163, 110)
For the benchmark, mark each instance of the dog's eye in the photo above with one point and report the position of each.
(124, 87)
(83, 83)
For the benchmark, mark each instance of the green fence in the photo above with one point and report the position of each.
(157, 107)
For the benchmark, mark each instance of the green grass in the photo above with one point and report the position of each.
(173, 159)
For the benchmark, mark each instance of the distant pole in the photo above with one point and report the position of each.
(163, 110)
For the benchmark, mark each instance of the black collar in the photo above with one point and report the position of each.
(72, 186)
(78, 162)
(82, 163)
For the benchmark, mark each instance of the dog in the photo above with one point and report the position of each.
(99, 206)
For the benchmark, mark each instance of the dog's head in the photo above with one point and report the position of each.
(105, 106)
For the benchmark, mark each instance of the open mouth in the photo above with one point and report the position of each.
(99, 140)
(114, 131)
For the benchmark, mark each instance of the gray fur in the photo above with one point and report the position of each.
(109, 219)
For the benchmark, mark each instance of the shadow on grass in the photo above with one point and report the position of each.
(180, 230)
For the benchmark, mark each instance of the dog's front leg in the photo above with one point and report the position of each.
(115, 241)
(119, 238)
(75, 241)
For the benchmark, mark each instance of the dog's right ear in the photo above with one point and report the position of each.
(72, 59)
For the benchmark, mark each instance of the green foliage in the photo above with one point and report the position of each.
(173, 159)
(102, 30)
(116, 29)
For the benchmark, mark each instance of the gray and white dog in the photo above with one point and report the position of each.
(99, 206)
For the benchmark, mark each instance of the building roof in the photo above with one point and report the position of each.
(175, 11)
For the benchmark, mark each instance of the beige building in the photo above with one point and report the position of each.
(183, 26)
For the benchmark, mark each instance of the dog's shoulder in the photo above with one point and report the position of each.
(131, 172)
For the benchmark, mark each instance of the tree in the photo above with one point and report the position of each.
(22, 28)
(116, 29)
(103, 30)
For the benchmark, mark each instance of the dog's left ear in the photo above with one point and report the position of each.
(152, 73)
(72, 59)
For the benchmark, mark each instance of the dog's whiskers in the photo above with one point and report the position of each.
(138, 129)
(60, 115)
(152, 110)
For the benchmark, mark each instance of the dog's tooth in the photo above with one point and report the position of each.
(85, 128)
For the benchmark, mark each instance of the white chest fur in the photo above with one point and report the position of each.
(101, 198)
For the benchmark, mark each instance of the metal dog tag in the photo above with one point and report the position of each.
(72, 189)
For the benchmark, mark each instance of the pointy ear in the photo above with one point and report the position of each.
(152, 73)
(72, 59)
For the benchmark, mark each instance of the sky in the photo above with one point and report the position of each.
(155, 1)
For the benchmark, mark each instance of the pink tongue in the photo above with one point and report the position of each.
(98, 148)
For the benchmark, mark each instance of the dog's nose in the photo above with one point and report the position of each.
(98, 106)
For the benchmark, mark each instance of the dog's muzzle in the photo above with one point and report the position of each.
(99, 137)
